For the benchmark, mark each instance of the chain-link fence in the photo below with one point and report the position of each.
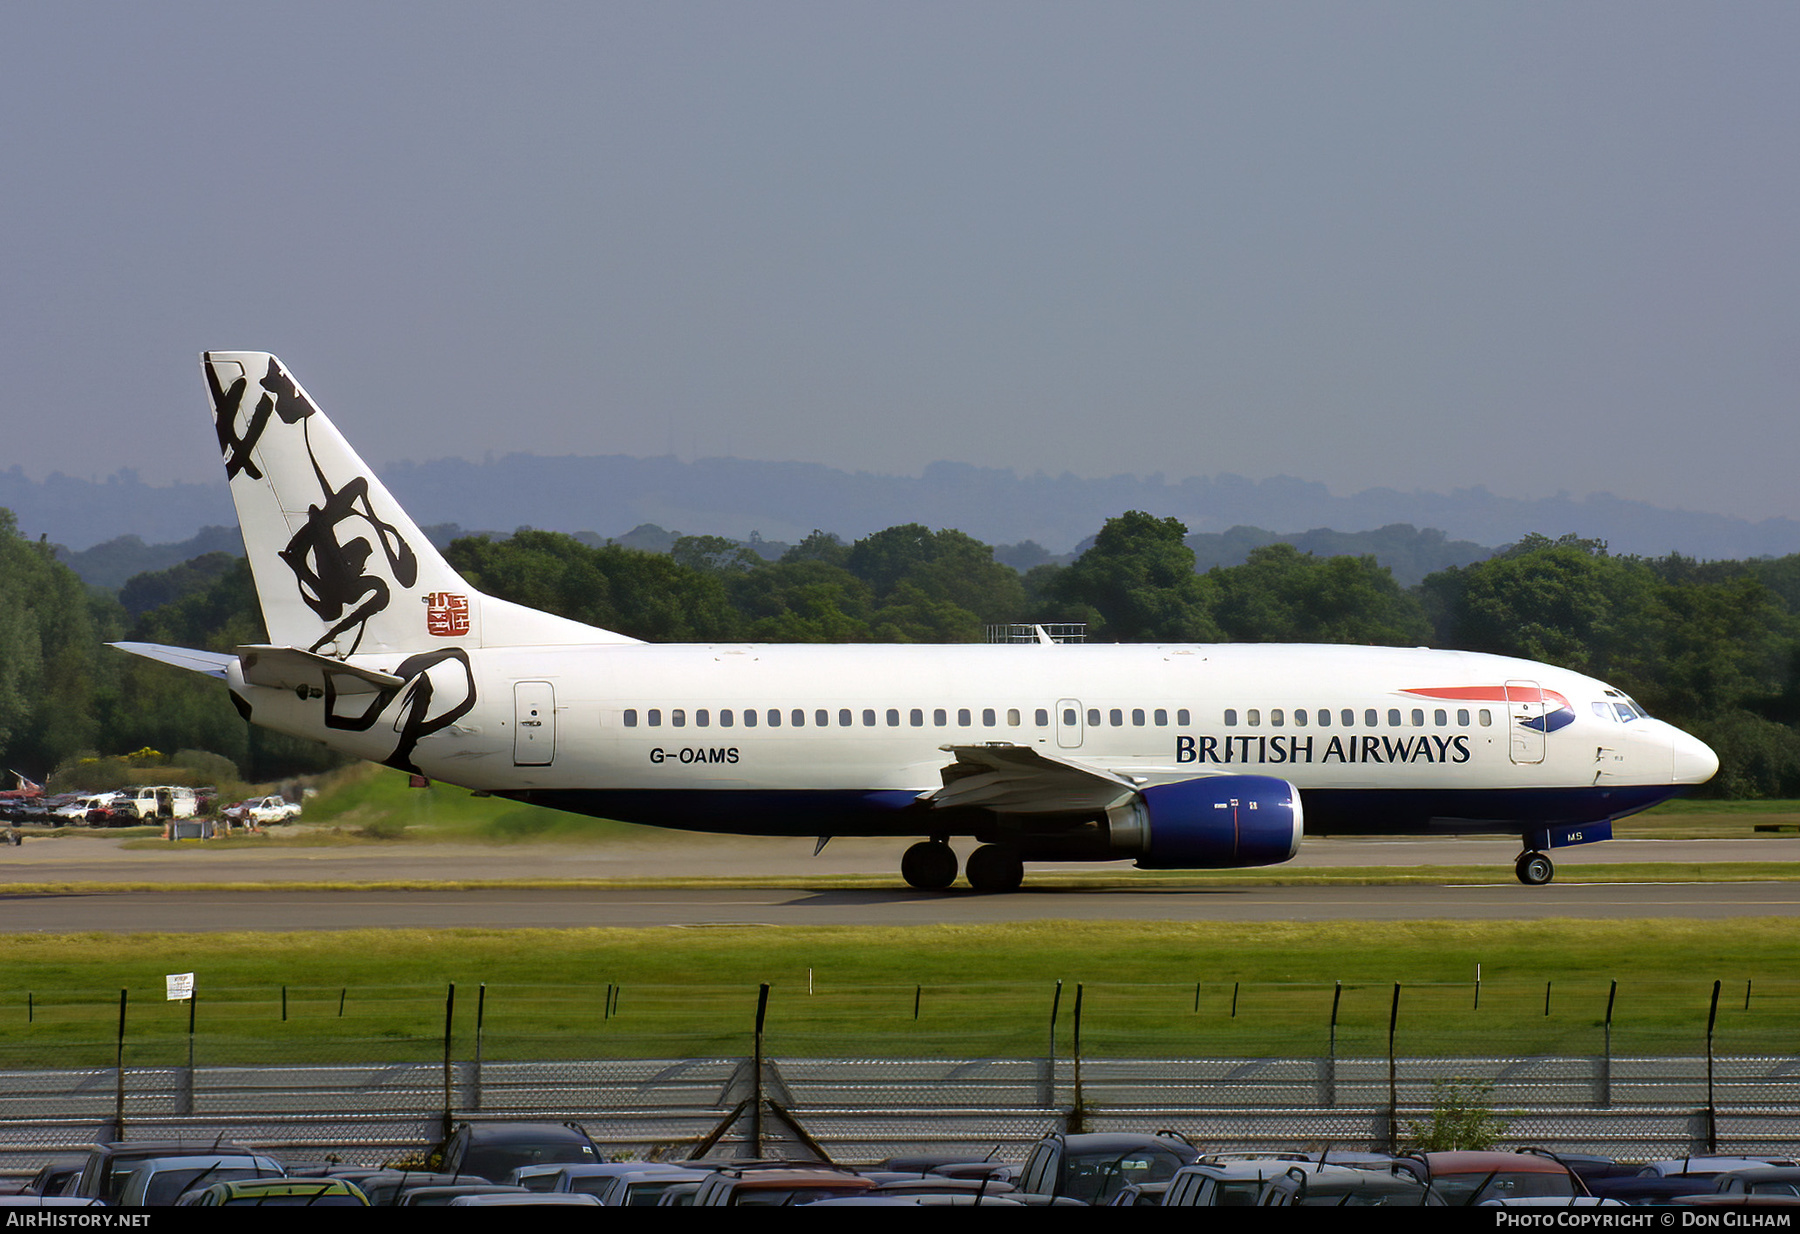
(870, 1071)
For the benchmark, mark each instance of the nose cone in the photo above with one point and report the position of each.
(1694, 760)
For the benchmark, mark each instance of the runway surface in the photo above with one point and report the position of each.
(95, 863)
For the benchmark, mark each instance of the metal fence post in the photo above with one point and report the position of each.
(119, 1067)
(1712, 1109)
(475, 1080)
(1393, 1127)
(1075, 1122)
(756, 1070)
(449, 1084)
(186, 1104)
(1337, 994)
(1605, 1094)
(1047, 1089)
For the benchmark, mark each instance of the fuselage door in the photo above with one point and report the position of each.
(1068, 723)
(1525, 706)
(534, 723)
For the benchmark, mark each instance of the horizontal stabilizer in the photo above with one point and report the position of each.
(212, 663)
(290, 668)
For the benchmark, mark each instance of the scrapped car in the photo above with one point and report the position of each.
(107, 1167)
(95, 810)
(157, 801)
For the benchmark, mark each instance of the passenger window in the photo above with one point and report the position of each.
(1012, 717)
(1440, 717)
(1348, 718)
(893, 717)
(749, 717)
(965, 717)
(1371, 718)
(1486, 717)
(1393, 717)
(822, 718)
(702, 718)
(1253, 717)
(1231, 717)
(1181, 717)
(654, 716)
(725, 717)
(631, 717)
(988, 718)
(1462, 717)
(774, 717)
(1324, 717)
(1117, 717)
(940, 717)
(1093, 717)
(868, 717)
(797, 718)
(1418, 717)
(1275, 720)
(678, 718)
(1068, 716)
(1043, 717)
(917, 717)
(1137, 716)
(1160, 717)
(844, 716)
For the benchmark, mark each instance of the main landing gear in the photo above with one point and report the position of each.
(930, 865)
(1534, 869)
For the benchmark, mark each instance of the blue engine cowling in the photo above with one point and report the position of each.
(1209, 823)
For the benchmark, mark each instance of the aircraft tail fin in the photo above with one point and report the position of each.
(340, 568)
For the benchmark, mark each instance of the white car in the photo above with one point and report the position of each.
(262, 811)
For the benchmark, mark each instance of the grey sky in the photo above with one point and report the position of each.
(1534, 247)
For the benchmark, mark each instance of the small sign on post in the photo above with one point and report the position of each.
(181, 987)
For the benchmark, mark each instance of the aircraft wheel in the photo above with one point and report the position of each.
(929, 865)
(995, 868)
(1535, 869)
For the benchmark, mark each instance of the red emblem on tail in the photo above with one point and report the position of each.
(446, 614)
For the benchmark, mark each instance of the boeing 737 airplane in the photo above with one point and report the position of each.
(1180, 757)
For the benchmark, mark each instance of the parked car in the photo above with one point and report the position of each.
(278, 1193)
(771, 1183)
(1473, 1177)
(494, 1150)
(1217, 1183)
(644, 1188)
(1338, 1186)
(157, 1182)
(1759, 1180)
(107, 1167)
(1092, 1168)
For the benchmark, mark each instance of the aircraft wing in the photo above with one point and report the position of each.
(212, 663)
(1020, 780)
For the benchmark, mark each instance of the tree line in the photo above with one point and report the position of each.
(1713, 647)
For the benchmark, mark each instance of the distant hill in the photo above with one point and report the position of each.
(611, 495)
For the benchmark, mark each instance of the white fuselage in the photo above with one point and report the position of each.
(1463, 734)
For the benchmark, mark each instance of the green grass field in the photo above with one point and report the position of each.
(961, 991)
(1148, 988)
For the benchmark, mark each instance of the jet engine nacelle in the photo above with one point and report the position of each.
(1209, 823)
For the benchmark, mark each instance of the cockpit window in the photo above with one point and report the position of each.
(1624, 707)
